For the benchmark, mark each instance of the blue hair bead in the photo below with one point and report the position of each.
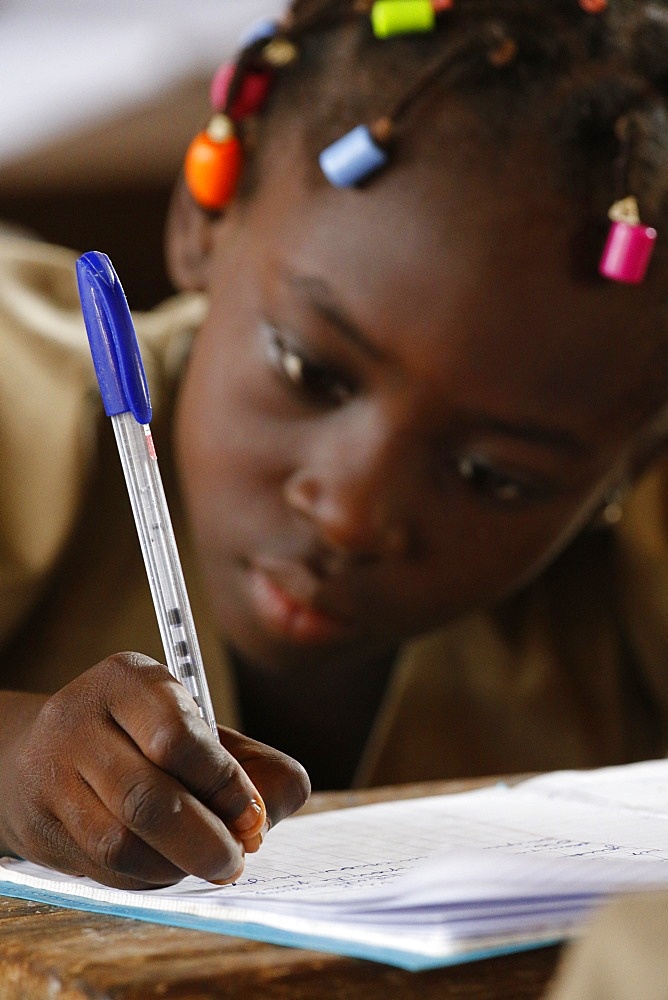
(353, 158)
(261, 30)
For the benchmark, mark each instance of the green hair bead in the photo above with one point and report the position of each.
(402, 17)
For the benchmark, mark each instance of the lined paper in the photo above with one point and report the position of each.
(423, 882)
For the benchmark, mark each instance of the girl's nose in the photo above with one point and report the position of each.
(356, 511)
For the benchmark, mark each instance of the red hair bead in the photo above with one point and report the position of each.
(213, 164)
(252, 94)
(593, 6)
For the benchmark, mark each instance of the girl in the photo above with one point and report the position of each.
(429, 370)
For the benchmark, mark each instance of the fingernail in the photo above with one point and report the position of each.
(254, 843)
(251, 821)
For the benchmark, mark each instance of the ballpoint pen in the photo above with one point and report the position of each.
(122, 380)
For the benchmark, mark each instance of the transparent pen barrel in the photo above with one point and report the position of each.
(163, 567)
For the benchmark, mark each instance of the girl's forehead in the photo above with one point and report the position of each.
(431, 228)
(453, 260)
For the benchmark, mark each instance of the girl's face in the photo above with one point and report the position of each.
(401, 406)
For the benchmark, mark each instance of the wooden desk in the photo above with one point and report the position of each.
(48, 953)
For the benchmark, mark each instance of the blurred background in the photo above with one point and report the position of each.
(98, 102)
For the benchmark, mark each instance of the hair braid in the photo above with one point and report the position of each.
(590, 89)
(592, 72)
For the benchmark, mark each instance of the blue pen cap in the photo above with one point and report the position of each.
(112, 338)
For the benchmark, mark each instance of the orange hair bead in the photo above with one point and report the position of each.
(593, 6)
(213, 164)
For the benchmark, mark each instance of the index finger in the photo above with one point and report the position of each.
(282, 781)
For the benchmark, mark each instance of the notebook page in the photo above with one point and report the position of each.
(641, 787)
(418, 882)
(360, 854)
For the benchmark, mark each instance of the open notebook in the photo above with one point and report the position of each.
(424, 882)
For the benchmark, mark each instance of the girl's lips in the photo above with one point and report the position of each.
(289, 616)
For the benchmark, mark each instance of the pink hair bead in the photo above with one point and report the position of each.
(627, 252)
(252, 94)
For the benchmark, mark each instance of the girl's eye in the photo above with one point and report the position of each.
(322, 383)
(494, 484)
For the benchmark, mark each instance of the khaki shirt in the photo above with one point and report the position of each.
(572, 672)
(622, 955)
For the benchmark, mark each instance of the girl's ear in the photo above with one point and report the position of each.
(188, 241)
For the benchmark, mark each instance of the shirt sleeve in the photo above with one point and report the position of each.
(50, 408)
(46, 393)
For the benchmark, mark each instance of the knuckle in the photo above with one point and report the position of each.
(226, 773)
(226, 789)
(55, 715)
(168, 744)
(127, 672)
(113, 670)
(161, 745)
(138, 805)
(111, 849)
(127, 662)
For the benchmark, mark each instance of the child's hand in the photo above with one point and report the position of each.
(118, 778)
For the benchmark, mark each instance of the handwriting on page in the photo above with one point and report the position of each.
(417, 882)
(366, 849)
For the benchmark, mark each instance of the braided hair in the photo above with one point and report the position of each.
(597, 85)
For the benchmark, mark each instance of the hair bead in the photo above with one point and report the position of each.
(213, 164)
(629, 247)
(259, 31)
(401, 17)
(253, 91)
(215, 158)
(593, 6)
(353, 158)
(280, 52)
